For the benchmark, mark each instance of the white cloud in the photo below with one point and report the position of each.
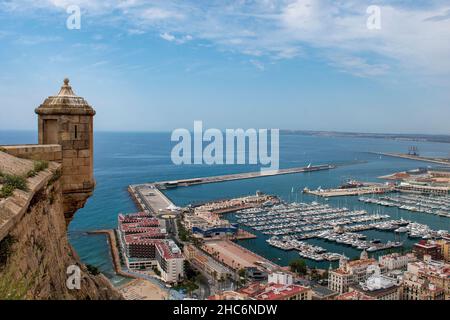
(35, 40)
(171, 38)
(167, 36)
(155, 14)
(257, 64)
(414, 38)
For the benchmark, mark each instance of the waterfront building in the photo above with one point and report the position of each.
(139, 217)
(279, 277)
(163, 254)
(272, 291)
(170, 261)
(209, 226)
(139, 226)
(396, 261)
(207, 265)
(144, 246)
(422, 189)
(351, 272)
(255, 274)
(379, 287)
(430, 248)
(427, 280)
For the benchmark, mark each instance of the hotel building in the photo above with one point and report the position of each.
(144, 246)
(352, 272)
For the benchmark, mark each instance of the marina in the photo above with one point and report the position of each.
(304, 219)
(288, 225)
(437, 205)
(143, 166)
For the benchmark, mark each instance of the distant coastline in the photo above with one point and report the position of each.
(414, 137)
(391, 136)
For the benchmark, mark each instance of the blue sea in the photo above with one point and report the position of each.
(132, 158)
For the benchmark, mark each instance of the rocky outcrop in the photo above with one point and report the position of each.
(34, 250)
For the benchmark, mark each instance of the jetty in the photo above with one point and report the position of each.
(441, 161)
(357, 191)
(112, 241)
(149, 196)
(240, 176)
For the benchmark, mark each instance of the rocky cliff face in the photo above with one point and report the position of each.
(34, 250)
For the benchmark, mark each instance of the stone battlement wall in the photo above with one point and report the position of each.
(77, 173)
(14, 207)
(35, 252)
(47, 152)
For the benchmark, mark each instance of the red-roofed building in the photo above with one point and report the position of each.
(354, 295)
(429, 248)
(144, 246)
(271, 291)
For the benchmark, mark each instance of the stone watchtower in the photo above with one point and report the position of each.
(67, 120)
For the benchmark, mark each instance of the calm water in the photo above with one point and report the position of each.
(130, 158)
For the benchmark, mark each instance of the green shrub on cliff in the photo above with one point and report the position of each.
(56, 175)
(39, 166)
(6, 191)
(10, 183)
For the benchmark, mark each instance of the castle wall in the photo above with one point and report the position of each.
(49, 152)
(35, 251)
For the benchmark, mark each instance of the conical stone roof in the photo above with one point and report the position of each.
(66, 102)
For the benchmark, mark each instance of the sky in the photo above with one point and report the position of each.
(289, 64)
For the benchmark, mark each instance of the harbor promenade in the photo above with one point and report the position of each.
(235, 256)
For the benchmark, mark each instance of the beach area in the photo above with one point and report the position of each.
(141, 289)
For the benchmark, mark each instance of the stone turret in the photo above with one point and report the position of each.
(67, 120)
